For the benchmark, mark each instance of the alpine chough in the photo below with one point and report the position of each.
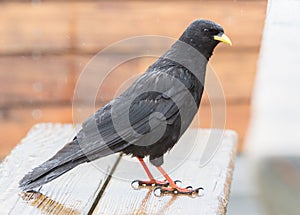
(149, 117)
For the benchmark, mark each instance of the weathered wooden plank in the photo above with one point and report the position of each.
(72, 193)
(91, 26)
(183, 162)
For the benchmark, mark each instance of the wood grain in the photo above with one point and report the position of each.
(78, 191)
(183, 163)
(72, 193)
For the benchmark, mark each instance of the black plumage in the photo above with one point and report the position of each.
(150, 116)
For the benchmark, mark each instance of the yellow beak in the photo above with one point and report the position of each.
(223, 38)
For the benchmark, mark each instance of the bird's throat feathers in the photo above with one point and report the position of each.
(188, 57)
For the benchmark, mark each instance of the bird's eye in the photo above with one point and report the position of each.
(205, 30)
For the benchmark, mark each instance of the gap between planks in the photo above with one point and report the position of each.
(94, 205)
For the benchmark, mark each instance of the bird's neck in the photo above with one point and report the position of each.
(188, 57)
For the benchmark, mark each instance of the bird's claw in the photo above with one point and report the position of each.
(177, 182)
(159, 191)
(136, 184)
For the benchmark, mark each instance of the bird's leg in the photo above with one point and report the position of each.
(173, 188)
(152, 181)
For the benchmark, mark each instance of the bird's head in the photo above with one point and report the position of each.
(204, 35)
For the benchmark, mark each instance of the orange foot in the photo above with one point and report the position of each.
(152, 183)
(159, 191)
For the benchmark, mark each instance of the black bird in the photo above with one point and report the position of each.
(149, 117)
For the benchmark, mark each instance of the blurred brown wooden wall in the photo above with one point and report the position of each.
(45, 45)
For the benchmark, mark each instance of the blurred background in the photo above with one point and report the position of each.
(44, 46)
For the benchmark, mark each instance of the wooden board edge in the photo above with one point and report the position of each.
(229, 177)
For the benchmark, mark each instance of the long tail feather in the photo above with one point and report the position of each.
(66, 159)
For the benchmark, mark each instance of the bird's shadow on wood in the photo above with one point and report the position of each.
(45, 204)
